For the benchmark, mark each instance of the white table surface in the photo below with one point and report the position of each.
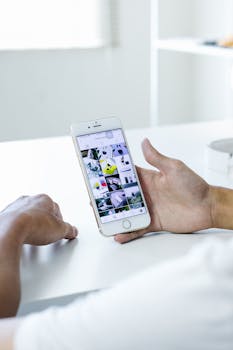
(93, 261)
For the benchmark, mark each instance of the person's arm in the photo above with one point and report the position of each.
(35, 220)
(222, 207)
(182, 304)
(178, 199)
(10, 251)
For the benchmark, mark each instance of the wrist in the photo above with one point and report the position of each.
(221, 207)
(12, 231)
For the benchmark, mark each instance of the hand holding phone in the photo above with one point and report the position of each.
(110, 175)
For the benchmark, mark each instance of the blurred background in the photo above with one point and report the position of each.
(144, 61)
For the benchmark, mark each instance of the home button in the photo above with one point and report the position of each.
(126, 224)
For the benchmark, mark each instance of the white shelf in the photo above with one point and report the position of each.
(193, 46)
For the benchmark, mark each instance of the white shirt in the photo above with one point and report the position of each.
(184, 304)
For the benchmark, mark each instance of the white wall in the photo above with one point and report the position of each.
(194, 88)
(213, 94)
(175, 102)
(43, 92)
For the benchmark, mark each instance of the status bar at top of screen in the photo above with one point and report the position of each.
(100, 139)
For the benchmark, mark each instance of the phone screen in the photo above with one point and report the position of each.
(111, 175)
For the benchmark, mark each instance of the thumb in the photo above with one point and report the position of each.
(153, 157)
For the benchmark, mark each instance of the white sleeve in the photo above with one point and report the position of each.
(185, 304)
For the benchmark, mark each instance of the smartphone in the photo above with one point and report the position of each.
(110, 176)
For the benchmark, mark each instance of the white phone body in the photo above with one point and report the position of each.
(110, 176)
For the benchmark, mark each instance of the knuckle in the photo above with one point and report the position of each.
(44, 196)
(55, 204)
(57, 208)
(22, 197)
(177, 164)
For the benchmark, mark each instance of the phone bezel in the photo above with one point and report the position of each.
(112, 228)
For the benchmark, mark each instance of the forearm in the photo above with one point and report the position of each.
(222, 207)
(9, 283)
(10, 251)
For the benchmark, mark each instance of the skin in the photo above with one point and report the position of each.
(178, 199)
(35, 220)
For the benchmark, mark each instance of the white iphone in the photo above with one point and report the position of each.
(110, 176)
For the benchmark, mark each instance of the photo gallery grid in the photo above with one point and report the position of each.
(113, 181)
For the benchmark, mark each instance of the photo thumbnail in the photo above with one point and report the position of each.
(114, 183)
(120, 210)
(133, 195)
(93, 167)
(90, 153)
(107, 213)
(108, 166)
(118, 199)
(104, 203)
(99, 186)
(128, 179)
(104, 152)
(123, 163)
(119, 149)
(137, 205)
